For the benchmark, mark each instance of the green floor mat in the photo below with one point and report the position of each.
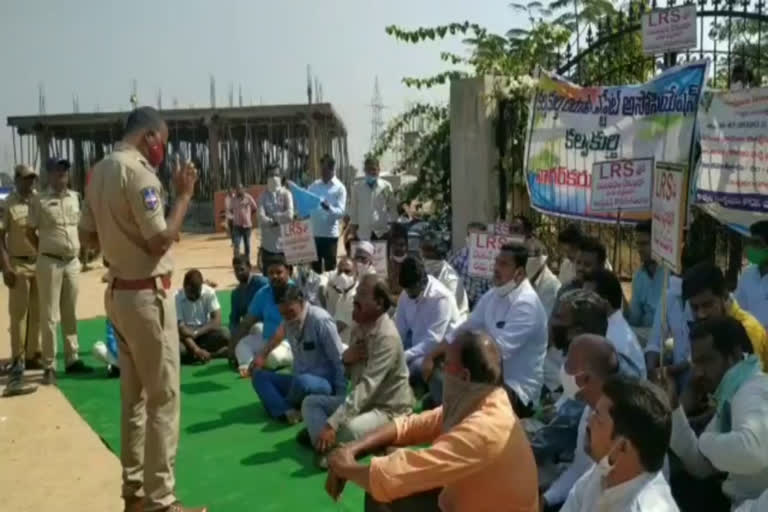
(231, 456)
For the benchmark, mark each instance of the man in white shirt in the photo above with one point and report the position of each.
(340, 295)
(373, 205)
(627, 436)
(543, 280)
(591, 361)
(426, 313)
(607, 286)
(275, 208)
(199, 315)
(736, 439)
(326, 220)
(752, 291)
(433, 254)
(512, 314)
(569, 240)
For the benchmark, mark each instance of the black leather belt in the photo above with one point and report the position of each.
(24, 258)
(63, 259)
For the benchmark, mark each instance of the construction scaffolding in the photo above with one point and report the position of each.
(229, 145)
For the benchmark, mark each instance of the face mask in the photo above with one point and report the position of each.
(273, 183)
(398, 259)
(757, 256)
(570, 387)
(343, 282)
(534, 265)
(364, 269)
(604, 466)
(371, 180)
(155, 154)
(506, 289)
(433, 267)
(460, 399)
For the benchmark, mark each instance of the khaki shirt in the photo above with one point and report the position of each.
(14, 222)
(56, 216)
(123, 204)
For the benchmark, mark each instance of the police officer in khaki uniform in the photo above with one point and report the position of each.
(17, 260)
(53, 218)
(123, 213)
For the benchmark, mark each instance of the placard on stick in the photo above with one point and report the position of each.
(483, 249)
(622, 185)
(298, 242)
(379, 255)
(668, 209)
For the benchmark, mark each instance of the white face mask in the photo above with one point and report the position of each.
(273, 183)
(433, 267)
(604, 466)
(534, 265)
(570, 387)
(364, 269)
(506, 289)
(343, 282)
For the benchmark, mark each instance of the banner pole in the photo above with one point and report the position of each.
(664, 325)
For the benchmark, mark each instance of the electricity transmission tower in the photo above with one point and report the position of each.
(377, 110)
(40, 98)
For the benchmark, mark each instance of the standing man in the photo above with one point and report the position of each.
(459, 259)
(53, 219)
(647, 283)
(275, 208)
(373, 205)
(17, 257)
(228, 214)
(326, 220)
(124, 214)
(242, 208)
(752, 291)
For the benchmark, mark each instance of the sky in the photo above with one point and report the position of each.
(94, 50)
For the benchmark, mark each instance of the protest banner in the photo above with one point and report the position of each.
(572, 128)
(304, 201)
(669, 194)
(671, 29)
(483, 249)
(622, 185)
(298, 242)
(379, 256)
(732, 179)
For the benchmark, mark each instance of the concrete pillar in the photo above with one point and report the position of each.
(213, 152)
(474, 157)
(43, 145)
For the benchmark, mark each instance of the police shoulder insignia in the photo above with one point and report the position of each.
(150, 197)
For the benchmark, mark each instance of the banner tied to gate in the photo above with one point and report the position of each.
(732, 179)
(610, 135)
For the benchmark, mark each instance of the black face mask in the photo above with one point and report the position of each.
(560, 337)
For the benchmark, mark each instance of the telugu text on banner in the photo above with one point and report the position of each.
(573, 128)
(732, 178)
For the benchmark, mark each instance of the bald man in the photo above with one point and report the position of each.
(476, 445)
(591, 360)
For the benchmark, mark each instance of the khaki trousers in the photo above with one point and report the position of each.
(148, 352)
(57, 283)
(24, 311)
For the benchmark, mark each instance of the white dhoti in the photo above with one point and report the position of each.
(254, 343)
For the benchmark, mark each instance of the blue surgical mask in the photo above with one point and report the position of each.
(371, 180)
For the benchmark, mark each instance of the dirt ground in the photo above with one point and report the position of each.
(50, 459)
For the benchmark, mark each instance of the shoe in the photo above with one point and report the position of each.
(49, 377)
(113, 372)
(36, 363)
(303, 438)
(133, 505)
(321, 461)
(16, 385)
(292, 416)
(178, 507)
(78, 367)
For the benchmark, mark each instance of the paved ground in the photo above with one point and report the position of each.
(51, 459)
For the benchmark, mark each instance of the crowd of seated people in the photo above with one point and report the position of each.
(535, 394)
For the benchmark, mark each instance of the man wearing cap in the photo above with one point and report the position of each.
(17, 259)
(53, 218)
(363, 259)
(124, 214)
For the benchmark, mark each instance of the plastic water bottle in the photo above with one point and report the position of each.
(111, 340)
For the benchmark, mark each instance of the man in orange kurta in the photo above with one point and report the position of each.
(479, 459)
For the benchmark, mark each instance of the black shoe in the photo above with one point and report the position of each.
(36, 363)
(78, 367)
(113, 372)
(49, 377)
(303, 438)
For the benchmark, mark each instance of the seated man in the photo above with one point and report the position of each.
(512, 314)
(376, 365)
(248, 284)
(736, 439)
(363, 258)
(398, 250)
(647, 283)
(479, 459)
(340, 294)
(199, 315)
(590, 257)
(705, 290)
(433, 255)
(629, 434)
(620, 334)
(263, 309)
(426, 313)
(317, 368)
(543, 280)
